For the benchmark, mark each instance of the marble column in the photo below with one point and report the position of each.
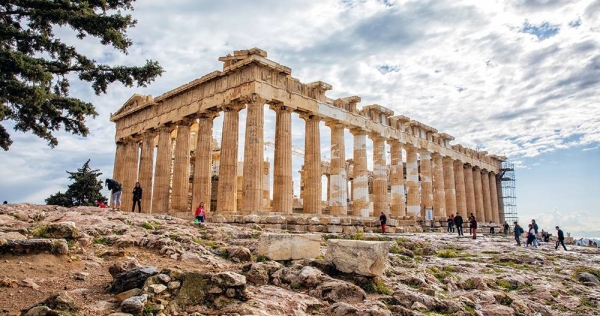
(439, 195)
(254, 149)
(477, 185)
(202, 186)
(227, 188)
(146, 170)
(338, 204)
(461, 194)
(282, 167)
(181, 167)
(130, 174)
(470, 191)
(500, 201)
(119, 165)
(380, 203)
(360, 184)
(312, 165)
(426, 181)
(449, 186)
(487, 201)
(398, 202)
(413, 203)
(494, 198)
(162, 173)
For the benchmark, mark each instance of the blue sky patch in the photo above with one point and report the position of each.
(542, 31)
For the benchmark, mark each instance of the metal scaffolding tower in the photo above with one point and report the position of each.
(508, 201)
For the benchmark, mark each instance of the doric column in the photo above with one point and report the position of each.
(397, 180)
(130, 174)
(312, 165)
(500, 200)
(426, 181)
(413, 203)
(380, 203)
(160, 194)
(227, 189)
(480, 213)
(202, 187)
(181, 167)
(119, 164)
(449, 186)
(146, 170)
(439, 196)
(494, 198)
(282, 168)
(360, 183)
(338, 204)
(470, 191)
(254, 150)
(487, 201)
(461, 194)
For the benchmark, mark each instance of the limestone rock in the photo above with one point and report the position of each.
(192, 292)
(366, 258)
(239, 254)
(127, 294)
(38, 311)
(123, 266)
(66, 230)
(272, 300)
(134, 304)
(339, 291)
(587, 278)
(27, 246)
(132, 279)
(289, 247)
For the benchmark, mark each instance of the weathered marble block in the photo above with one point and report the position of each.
(289, 247)
(368, 258)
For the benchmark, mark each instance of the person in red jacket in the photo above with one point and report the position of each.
(100, 204)
(200, 215)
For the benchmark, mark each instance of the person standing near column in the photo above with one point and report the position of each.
(200, 215)
(561, 239)
(458, 221)
(382, 220)
(115, 188)
(137, 198)
(474, 225)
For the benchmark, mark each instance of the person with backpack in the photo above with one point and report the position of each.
(561, 239)
(116, 189)
(531, 237)
(518, 231)
(137, 198)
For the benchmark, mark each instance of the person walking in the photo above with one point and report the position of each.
(518, 230)
(561, 239)
(531, 237)
(474, 224)
(450, 224)
(505, 228)
(382, 220)
(458, 222)
(534, 225)
(200, 214)
(492, 227)
(116, 189)
(137, 198)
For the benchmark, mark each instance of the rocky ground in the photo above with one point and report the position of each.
(89, 261)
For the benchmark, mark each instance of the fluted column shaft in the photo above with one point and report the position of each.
(252, 187)
(312, 165)
(380, 203)
(282, 172)
(413, 203)
(119, 164)
(398, 203)
(146, 172)
(338, 204)
(181, 168)
(130, 174)
(227, 189)
(426, 181)
(160, 194)
(470, 191)
(439, 195)
(494, 198)
(449, 186)
(500, 201)
(202, 186)
(480, 212)
(461, 194)
(360, 183)
(487, 201)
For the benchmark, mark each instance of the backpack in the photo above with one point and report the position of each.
(117, 187)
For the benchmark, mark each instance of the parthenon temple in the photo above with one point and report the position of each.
(167, 143)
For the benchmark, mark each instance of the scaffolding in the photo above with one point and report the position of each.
(508, 201)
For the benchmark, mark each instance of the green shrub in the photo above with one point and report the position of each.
(102, 241)
(447, 253)
(147, 225)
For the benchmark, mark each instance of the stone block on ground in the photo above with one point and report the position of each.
(289, 247)
(368, 258)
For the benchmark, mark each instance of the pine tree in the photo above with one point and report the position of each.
(35, 64)
(84, 191)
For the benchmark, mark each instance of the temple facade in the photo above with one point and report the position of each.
(426, 174)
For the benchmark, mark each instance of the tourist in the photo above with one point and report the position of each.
(382, 220)
(5, 203)
(531, 237)
(137, 197)
(505, 228)
(471, 220)
(450, 224)
(492, 225)
(100, 204)
(458, 222)
(200, 215)
(518, 230)
(474, 224)
(534, 225)
(115, 188)
(561, 239)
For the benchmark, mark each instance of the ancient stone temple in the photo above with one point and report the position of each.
(167, 144)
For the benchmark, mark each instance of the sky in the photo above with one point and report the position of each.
(515, 78)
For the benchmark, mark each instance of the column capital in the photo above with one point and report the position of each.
(280, 107)
(150, 133)
(334, 123)
(168, 127)
(210, 114)
(253, 98)
(375, 136)
(357, 131)
(234, 106)
(310, 117)
(187, 121)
